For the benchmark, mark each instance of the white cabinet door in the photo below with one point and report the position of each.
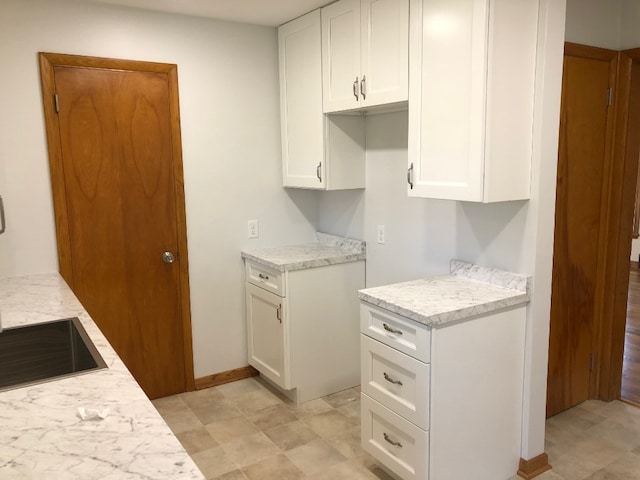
(471, 98)
(384, 52)
(302, 122)
(365, 53)
(267, 335)
(341, 55)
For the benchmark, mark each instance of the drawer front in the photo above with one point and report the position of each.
(267, 278)
(393, 441)
(396, 380)
(396, 331)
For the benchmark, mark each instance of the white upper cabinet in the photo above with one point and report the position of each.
(472, 72)
(318, 151)
(364, 53)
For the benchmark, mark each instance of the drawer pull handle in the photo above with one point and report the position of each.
(391, 380)
(392, 330)
(263, 277)
(392, 442)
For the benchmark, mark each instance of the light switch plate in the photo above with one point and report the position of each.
(380, 234)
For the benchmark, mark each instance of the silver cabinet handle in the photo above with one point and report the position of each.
(3, 225)
(363, 87)
(263, 277)
(168, 257)
(388, 440)
(392, 330)
(355, 89)
(410, 176)
(391, 380)
(279, 313)
(319, 172)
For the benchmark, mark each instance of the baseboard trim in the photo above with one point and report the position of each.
(225, 377)
(536, 466)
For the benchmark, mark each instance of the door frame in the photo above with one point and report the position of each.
(48, 61)
(621, 205)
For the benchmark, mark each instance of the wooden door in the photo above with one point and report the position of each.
(114, 141)
(581, 199)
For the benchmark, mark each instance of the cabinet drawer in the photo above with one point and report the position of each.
(396, 380)
(396, 443)
(396, 331)
(266, 278)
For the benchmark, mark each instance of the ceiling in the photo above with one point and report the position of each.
(259, 12)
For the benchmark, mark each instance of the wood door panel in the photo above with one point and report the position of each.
(580, 196)
(117, 133)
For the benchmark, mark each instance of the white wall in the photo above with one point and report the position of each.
(594, 22)
(419, 232)
(228, 84)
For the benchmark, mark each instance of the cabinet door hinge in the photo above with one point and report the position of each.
(56, 102)
(609, 96)
(592, 362)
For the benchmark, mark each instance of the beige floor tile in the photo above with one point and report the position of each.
(233, 475)
(277, 467)
(213, 462)
(229, 430)
(617, 433)
(380, 473)
(239, 388)
(217, 411)
(329, 424)
(201, 398)
(308, 409)
(272, 417)
(170, 404)
(291, 435)
(346, 470)
(627, 468)
(253, 402)
(315, 457)
(182, 421)
(250, 449)
(342, 398)
(347, 443)
(351, 410)
(195, 441)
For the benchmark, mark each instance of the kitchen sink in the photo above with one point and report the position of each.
(44, 352)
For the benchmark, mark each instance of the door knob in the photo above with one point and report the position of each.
(168, 257)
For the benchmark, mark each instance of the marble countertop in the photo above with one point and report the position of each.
(469, 290)
(326, 250)
(41, 433)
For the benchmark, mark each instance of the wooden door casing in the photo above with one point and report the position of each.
(584, 163)
(116, 168)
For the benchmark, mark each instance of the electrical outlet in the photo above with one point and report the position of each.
(252, 229)
(380, 234)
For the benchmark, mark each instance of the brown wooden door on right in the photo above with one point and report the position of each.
(583, 157)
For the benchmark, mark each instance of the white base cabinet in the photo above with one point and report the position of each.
(471, 84)
(450, 414)
(301, 333)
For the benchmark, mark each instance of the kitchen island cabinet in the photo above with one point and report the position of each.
(302, 310)
(42, 435)
(442, 374)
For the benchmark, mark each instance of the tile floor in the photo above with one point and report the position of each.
(245, 430)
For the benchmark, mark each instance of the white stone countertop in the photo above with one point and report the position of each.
(469, 290)
(41, 433)
(326, 250)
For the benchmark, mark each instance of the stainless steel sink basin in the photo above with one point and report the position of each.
(44, 352)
